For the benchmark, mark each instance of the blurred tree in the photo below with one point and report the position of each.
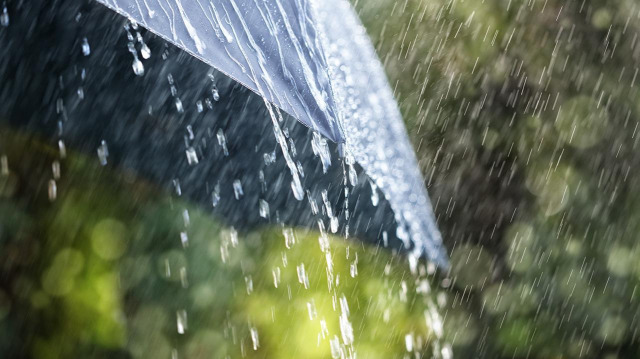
(524, 116)
(98, 263)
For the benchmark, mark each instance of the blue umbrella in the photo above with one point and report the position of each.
(312, 60)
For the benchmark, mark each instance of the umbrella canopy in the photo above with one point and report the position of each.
(311, 59)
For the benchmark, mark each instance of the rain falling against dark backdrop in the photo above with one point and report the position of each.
(523, 115)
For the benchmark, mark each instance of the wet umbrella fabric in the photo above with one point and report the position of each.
(312, 59)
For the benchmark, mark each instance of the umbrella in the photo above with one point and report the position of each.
(189, 104)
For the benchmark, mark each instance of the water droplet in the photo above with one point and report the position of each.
(321, 149)
(233, 237)
(248, 281)
(138, 67)
(408, 341)
(190, 134)
(353, 176)
(336, 351)
(103, 153)
(237, 189)
(215, 94)
(186, 218)
(289, 237)
(323, 239)
(192, 156)
(4, 165)
(53, 190)
(199, 106)
(86, 49)
(311, 309)
(184, 239)
(254, 338)
(4, 17)
(346, 329)
(208, 103)
(269, 158)
(296, 186)
(167, 268)
(222, 141)
(62, 148)
(179, 106)
(181, 321)
(276, 276)
(145, 52)
(55, 169)
(176, 186)
(334, 224)
(264, 209)
(215, 195)
(303, 278)
(375, 198)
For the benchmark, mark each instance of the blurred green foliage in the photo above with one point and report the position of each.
(524, 116)
(108, 266)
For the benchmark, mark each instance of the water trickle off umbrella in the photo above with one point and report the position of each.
(175, 108)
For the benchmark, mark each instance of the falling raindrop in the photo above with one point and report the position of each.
(353, 176)
(336, 350)
(311, 309)
(4, 165)
(145, 52)
(237, 189)
(177, 187)
(103, 153)
(334, 224)
(53, 190)
(353, 268)
(289, 237)
(55, 169)
(408, 341)
(323, 239)
(138, 67)
(303, 278)
(186, 219)
(276, 276)
(215, 195)
(192, 156)
(179, 106)
(264, 208)
(375, 198)
(62, 149)
(4, 17)
(86, 49)
(233, 237)
(346, 329)
(190, 134)
(184, 239)
(269, 158)
(254, 338)
(181, 321)
(296, 186)
(222, 141)
(321, 149)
